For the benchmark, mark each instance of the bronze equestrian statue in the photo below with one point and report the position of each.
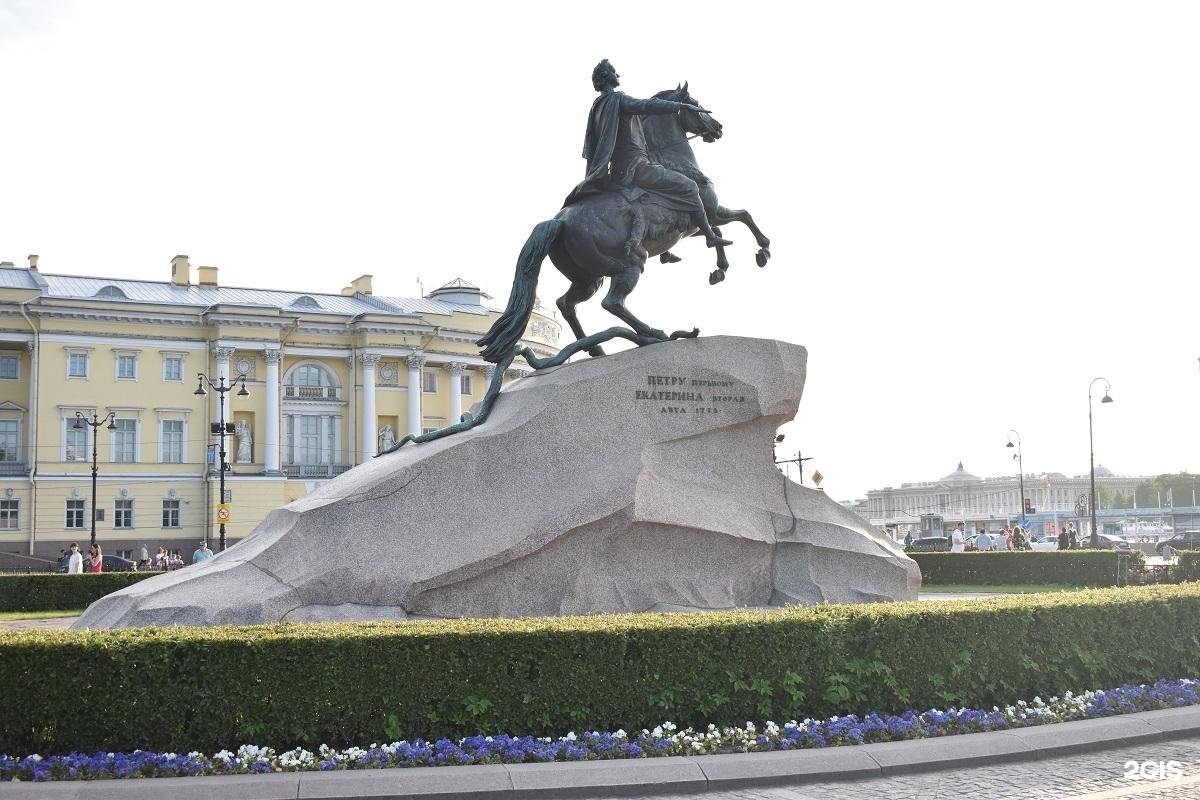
(642, 193)
(628, 208)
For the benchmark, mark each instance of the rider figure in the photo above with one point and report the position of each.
(615, 149)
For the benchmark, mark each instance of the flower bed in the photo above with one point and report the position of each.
(665, 740)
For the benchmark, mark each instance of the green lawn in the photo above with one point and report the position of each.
(1004, 588)
(13, 616)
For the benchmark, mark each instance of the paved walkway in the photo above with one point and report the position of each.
(52, 624)
(1092, 776)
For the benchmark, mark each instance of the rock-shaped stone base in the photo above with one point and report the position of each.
(644, 480)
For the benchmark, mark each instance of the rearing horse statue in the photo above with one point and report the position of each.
(606, 236)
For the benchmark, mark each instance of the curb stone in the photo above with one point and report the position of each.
(696, 774)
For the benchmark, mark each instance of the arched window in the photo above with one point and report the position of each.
(310, 375)
(310, 381)
(304, 301)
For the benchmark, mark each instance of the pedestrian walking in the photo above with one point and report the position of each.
(958, 541)
(75, 560)
(95, 559)
(983, 542)
(202, 553)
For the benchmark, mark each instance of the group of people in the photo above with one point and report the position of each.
(165, 559)
(1014, 538)
(76, 563)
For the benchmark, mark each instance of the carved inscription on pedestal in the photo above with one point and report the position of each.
(682, 394)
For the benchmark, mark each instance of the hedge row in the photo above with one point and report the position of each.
(1186, 566)
(61, 592)
(1063, 567)
(184, 689)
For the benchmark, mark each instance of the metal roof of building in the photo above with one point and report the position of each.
(16, 279)
(165, 293)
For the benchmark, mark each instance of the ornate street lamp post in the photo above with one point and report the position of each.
(110, 420)
(1095, 542)
(1021, 468)
(221, 428)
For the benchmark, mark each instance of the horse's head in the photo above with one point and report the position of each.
(695, 122)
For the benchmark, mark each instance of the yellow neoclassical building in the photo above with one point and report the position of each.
(330, 378)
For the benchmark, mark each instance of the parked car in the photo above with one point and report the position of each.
(118, 564)
(930, 544)
(1188, 540)
(1043, 543)
(1108, 542)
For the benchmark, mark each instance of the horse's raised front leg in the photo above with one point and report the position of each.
(724, 215)
(580, 292)
(718, 274)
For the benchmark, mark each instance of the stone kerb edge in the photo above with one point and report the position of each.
(650, 776)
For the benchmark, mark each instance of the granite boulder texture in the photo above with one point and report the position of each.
(643, 480)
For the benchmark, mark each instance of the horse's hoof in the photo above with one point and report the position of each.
(716, 276)
(762, 256)
(596, 352)
(669, 258)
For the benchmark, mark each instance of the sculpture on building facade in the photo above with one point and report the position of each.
(641, 194)
(245, 437)
(387, 438)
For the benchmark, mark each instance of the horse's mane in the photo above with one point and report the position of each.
(665, 94)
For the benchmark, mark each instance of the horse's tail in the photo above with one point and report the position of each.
(506, 332)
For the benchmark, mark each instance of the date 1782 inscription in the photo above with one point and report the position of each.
(701, 395)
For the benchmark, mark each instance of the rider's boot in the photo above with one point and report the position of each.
(710, 236)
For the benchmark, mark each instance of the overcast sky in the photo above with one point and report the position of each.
(975, 208)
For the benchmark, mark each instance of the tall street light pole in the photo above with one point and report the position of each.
(109, 419)
(1021, 468)
(1095, 542)
(221, 428)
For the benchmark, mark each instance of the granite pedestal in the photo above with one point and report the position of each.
(643, 480)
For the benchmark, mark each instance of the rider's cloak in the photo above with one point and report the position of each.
(598, 145)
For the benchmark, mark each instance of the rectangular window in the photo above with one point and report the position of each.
(77, 365)
(170, 514)
(173, 369)
(172, 441)
(9, 367)
(75, 442)
(429, 382)
(124, 441)
(309, 449)
(127, 367)
(465, 383)
(9, 434)
(10, 518)
(123, 514)
(74, 513)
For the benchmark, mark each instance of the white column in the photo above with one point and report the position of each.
(323, 440)
(415, 362)
(336, 456)
(223, 355)
(370, 442)
(271, 435)
(456, 371)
